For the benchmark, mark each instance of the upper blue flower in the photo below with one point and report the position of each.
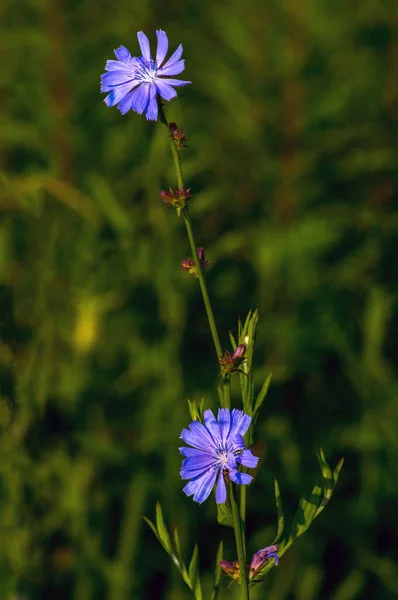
(218, 449)
(134, 82)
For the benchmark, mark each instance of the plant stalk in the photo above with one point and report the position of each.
(240, 545)
(202, 283)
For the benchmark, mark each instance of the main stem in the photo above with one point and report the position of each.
(194, 251)
(240, 545)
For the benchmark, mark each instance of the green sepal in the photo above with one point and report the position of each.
(217, 573)
(224, 515)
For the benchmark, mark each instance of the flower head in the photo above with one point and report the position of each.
(134, 82)
(230, 363)
(189, 266)
(218, 450)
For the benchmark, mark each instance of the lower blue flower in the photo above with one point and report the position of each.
(218, 448)
(134, 83)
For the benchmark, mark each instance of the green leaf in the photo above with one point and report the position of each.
(196, 410)
(152, 526)
(163, 534)
(307, 511)
(261, 396)
(217, 572)
(336, 472)
(179, 559)
(281, 518)
(232, 340)
(194, 574)
(224, 515)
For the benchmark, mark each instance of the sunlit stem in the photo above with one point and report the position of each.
(210, 316)
(240, 545)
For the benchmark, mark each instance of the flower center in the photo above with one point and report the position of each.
(147, 70)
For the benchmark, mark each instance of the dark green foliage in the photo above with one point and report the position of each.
(293, 126)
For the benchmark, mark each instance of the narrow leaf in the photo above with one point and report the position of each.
(152, 526)
(217, 572)
(178, 559)
(232, 340)
(337, 470)
(261, 396)
(162, 531)
(194, 574)
(281, 518)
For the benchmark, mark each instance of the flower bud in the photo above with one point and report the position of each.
(259, 559)
(230, 363)
(178, 135)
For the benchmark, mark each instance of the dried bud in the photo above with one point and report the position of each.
(230, 363)
(259, 559)
(231, 569)
(177, 198)
(189, 266)
(178, 135)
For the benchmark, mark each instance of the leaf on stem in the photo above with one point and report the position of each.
(224, 515)
(217, 572)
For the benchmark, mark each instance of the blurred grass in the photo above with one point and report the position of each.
(292, 117)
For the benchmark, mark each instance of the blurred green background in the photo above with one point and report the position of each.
(293, 123)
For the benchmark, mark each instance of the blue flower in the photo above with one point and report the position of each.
(134, 83)
(218, 450)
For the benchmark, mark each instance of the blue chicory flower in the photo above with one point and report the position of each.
(134, 83)
(218, 449)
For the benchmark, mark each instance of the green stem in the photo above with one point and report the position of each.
(227, 391)
(210, 316)
(240, 546)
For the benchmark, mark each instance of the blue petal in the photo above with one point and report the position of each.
(140, 98)
(122, 54)
(192, 452)
(115, 65)
(191, 467)
(221, 492)
(165, 90)
(241, 478)
(174, 69)
(174, 57)
(144, 45)
(198, 437)
(118, 93)
(151, 111)
(211, 424)
(240, 422)
(237, 442)
(113, 79)
(201, 486)
(177, 82)
(163, 46)
(224, 422)
(127, 103)
(247, 459)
